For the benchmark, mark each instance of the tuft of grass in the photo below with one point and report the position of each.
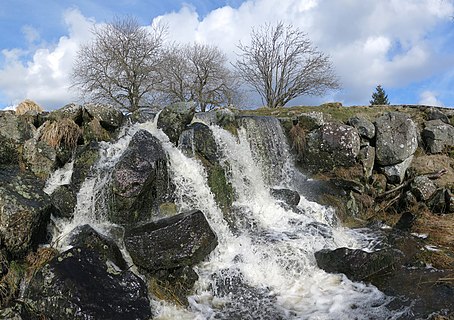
(28, 105)
(64, 132)
(298, 139)
(163, 290)
(10, 283)
(36, 260)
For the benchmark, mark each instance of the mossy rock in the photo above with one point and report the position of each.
(221, 188)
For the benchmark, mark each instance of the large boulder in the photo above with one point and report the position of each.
(312, 120)
(64, 201)
(14, 131)
(396, 138)
(366, 129)
(395, 173)
(70, 111)
(85, 157)
(39, 157)
(437, 135)
(173, 119)
(358, 265)
(108, 116)
(25, 211)
(140, 181)
(332, 145)
(85, 236)
(182, 240)
(79, 284)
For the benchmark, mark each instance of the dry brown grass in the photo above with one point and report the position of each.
(298, 139)
(36, 260)
(28, 105)
(61, 132)
(163, 290)
(9, 284)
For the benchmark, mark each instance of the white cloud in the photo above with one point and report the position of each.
(44, 77)
(429, 98)
(388, 42)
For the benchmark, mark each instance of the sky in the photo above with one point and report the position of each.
(407, 46)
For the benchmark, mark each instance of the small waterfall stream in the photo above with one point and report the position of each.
(263, 266)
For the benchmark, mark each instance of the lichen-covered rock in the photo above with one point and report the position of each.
(64, 201)
(423, 188)
(40, 158)
(312, 120)
(396, 138)
(14, 131)
(331, 145)
(142, 115)
(79, 284)
(86, 237)
(221, 117)
(173, 119)
(25, 211)
(395, 173)
(437, 135)
(182, 240)
(70, 111)
(140, 181)
(435, 114)
(365, 128)
(108, 116)
(441, 201)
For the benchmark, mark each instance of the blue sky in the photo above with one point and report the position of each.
(407, 46)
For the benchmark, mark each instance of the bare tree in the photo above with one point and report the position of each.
(121, 65)
(281, 64)
(198, 73)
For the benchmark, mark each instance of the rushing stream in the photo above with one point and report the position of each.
(264, 265)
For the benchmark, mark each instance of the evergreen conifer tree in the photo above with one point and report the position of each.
(379, 97)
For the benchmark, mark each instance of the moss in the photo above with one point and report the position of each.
(10, 283)
(221, 188)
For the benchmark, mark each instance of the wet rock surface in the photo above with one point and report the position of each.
(181, 240)
(173, 119)
(78, 284)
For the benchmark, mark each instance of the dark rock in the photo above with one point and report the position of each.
(140, 181)
(358, 265)
(440, 201)
(423, 188)
(331, 145)
(406, 221)
(365, 128)
(198, 141)
(108, 116)
(25, 211)
(86, 237)
(435, 114)
(86, 156)
(221, 117)
(78, 284)
(173, 119)
(395, 173)
(64, 201)
(396, 138)
(181, 240)
(437, 135)
(93, 131)
(290, 197)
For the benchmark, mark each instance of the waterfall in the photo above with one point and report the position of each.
(264, 265)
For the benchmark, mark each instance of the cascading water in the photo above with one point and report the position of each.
(263, 266)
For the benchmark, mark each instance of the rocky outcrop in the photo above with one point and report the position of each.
(108, 116)
(366, 129)
(437, 136)
(396, 138)
(25, 211)
(173, 119)
(79, 284)
(332, 145)
(140, 181)
(178, 241)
